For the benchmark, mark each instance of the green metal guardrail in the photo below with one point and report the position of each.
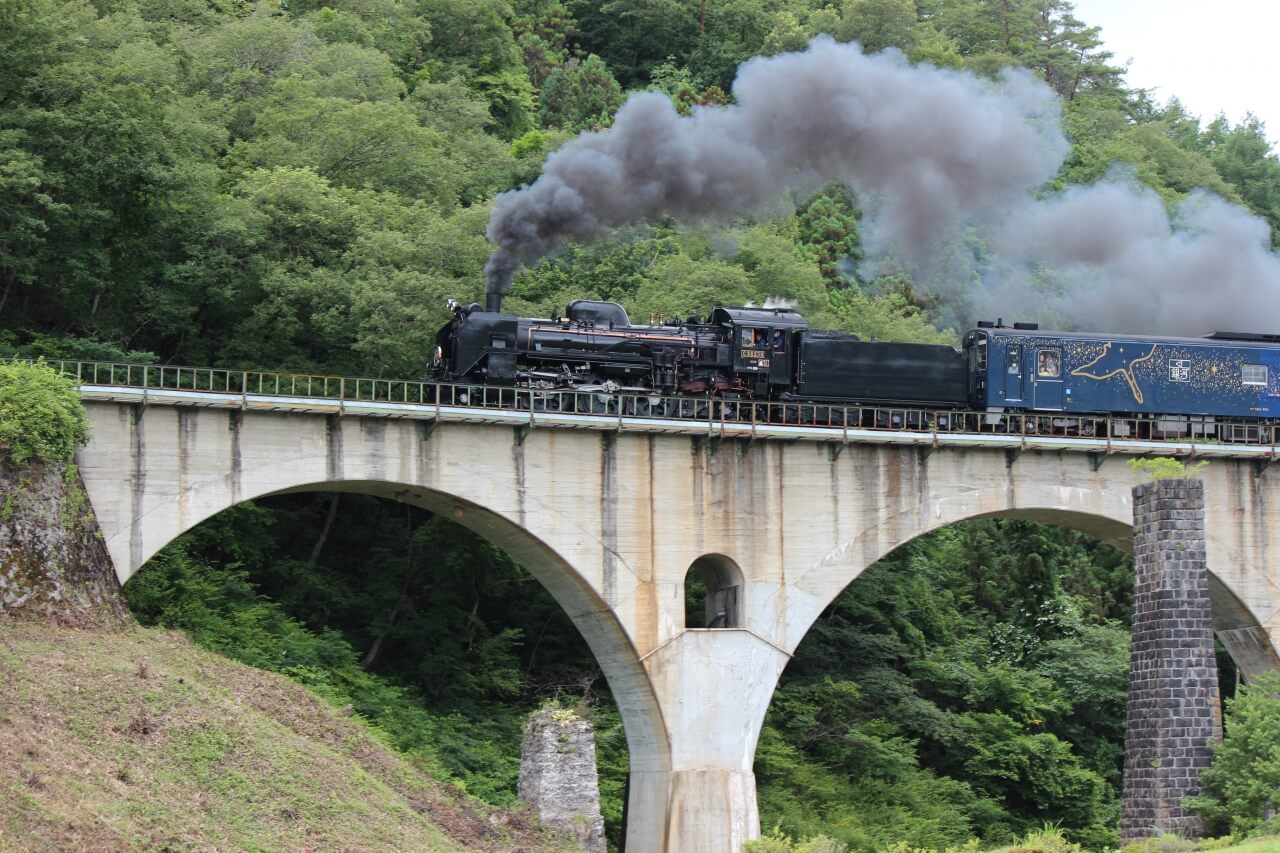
(258, 383)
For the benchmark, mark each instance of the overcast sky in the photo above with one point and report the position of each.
(1215, 57)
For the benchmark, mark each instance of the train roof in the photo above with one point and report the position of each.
(1248, 339)
(776, 317)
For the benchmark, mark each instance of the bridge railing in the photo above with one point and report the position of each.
(1197, 430)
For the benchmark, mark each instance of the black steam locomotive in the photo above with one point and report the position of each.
(736, 353)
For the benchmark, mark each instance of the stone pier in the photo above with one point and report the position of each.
(1174, 713)
(558, 775)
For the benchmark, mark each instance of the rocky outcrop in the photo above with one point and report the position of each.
(558, 775)
(54, 566)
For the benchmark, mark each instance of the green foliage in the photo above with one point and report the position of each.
(962, 719)
(1242, 787)
(1244, 157)
(1050, 839)
(828, 228)
(580, 95)
(776, 842)
(1164, 843)
(878, 24)
(41, 416)
(1167, 467)
(886, 318)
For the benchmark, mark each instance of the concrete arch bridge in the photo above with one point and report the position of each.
(611, 515)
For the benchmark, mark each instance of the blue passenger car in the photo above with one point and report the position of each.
(1221, 375)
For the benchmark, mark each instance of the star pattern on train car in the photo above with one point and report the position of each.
(1113, 362)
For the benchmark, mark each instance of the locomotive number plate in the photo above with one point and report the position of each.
(752, 354)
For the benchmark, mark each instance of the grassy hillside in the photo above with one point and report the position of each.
(141, 741)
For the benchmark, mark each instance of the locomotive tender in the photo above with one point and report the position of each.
(1166, 386)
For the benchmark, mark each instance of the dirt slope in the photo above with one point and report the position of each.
(138, 740)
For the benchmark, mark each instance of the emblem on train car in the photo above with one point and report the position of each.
(1113, 361)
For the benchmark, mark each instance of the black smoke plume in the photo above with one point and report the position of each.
(926, 148)
(929, 151)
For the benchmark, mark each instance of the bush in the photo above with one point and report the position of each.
(1166, 467)
(1242, 787)
(41, 416)
(1048, 840)
(1161, 844)
(777, 842)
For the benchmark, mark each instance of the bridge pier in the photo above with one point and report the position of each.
(1174, 713)
(714, 687)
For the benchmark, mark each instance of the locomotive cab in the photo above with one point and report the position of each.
(477, 343)
(762, 343)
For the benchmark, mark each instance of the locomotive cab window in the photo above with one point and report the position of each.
(779, 341)
(747, 337)
(1253, 374)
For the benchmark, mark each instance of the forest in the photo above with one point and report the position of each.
(301, 185)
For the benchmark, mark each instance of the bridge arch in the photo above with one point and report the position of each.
(181, 467)
(1105, 514)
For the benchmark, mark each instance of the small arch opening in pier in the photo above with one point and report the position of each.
(713, 593)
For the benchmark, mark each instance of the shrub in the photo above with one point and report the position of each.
(1161, 844)
(1047, 840)
(1166, 467)
(1242, 787)
(777, 842)
(41, 416)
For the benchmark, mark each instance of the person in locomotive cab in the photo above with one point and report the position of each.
(1048, 365)
(779, 341)
(762, 339)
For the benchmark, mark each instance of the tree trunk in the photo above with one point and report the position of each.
(8, 286)
(403, 599)
(324, 532)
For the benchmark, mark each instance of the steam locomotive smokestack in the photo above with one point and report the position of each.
(493, 301)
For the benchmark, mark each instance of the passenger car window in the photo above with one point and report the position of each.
(1253, 374)
(1015, 361)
